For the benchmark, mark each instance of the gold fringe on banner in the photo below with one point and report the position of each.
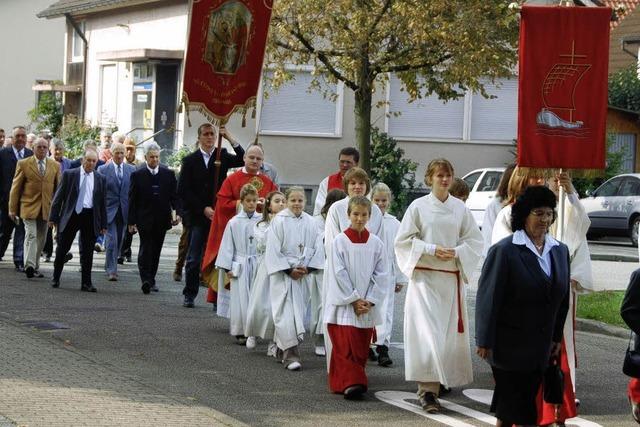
(551, 172)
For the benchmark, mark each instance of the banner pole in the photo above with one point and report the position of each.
(561, 204)
(218, 163)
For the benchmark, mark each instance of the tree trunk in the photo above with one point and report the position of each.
(362, 109)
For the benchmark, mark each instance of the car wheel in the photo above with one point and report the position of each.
(633, 230)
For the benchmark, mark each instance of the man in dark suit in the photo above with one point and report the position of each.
(117, 174)
(152, 198)
(9, 157)
(79, 205)
(198, 195)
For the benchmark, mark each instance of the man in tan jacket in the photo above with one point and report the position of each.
(32, 190)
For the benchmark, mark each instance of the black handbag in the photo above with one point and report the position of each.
(631, 365)
(553, 382)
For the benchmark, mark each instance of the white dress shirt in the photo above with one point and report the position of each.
(206, 156)
(153, 171)
(521, 238)
(19, 154)
(87, 203)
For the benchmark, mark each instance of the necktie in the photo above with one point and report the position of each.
(120, 174)
(19, 155)
(83, 189)
(41, 167)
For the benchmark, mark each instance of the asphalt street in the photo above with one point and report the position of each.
(187, 353)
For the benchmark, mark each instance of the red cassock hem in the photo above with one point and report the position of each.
(348, 356)
(546, 411)
(634, 390)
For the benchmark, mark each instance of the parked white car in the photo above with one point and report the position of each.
(483, 184)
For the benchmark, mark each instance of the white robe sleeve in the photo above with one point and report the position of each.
(321, 196)
(502, 225)
(275, 260)
(343, 291)
(224, 259)
(331, 228)
(470, 244)
(490, 215)
(317, 260)
(377, 291)
(408, 245)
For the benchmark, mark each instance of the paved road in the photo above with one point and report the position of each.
(125, 352)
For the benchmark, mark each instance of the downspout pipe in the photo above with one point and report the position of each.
(80, 32)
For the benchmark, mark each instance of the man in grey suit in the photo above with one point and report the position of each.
(117, 174)
(79, 205)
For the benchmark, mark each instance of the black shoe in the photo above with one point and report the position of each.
(430, 403)
(354, 392)
(188, 302)
(372, 355)
(120, 260)
(37, 274)
(68, 257)
(444, 390)
(88, 288)
(383, 356)
(55, 283)
(29, 272)
(146, 288)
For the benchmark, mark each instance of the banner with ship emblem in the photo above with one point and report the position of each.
(226, 45)
(562, 99)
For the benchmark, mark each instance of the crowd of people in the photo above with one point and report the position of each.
(280, 275)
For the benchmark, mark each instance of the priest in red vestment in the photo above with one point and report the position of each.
(348, 158)
(227, 202)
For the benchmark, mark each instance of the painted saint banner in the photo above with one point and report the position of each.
(562, 99)
(227, 40)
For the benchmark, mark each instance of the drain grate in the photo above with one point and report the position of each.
(44, 326)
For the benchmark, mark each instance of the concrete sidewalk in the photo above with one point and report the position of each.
(45, 382)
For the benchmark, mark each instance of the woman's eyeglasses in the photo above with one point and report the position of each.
(543, 213)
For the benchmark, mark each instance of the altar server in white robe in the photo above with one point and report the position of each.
(259, 318)
(576, 224)
(438, 246)
(356, 290)
(356, 183)
(494, 208)
(238, 257)
(294, 250)
(317, 276)
(382, 197)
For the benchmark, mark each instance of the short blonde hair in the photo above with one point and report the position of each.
(295, 189)
(248, 190)
(381, 187)
(358, 201)
(433, 167)
(356, 174)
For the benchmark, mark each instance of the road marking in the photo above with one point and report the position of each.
(398, 398)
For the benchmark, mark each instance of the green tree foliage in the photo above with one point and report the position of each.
(615, 159)
(388, 165)
(74, 132)
(624, 89)
(175, 159)
(441, 47)
(47, 115)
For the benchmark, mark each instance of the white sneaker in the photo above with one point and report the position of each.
(320, 351)
(272, 350)
(294, 366)
(251, 343)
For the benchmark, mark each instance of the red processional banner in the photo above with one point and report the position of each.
(227, 40)
(562, 100)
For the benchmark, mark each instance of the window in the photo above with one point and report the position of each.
(109, 95)
(77, 45)
(626, 144)
(471, 179)
(470, 118)
(630, 187)
(294, 109)
(490, 181)
(609, 188)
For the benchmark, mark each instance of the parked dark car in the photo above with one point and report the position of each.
(614, 207)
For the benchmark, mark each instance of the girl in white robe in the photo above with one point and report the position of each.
(294, 250)
(238, 257)
(315, 303)
(382, 197)
(259, 317)
(494, 208)
(357, 184)
(576, 224)
(437, 247)
(356, 290)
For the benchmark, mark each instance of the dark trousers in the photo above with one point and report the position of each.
(125, 251)
(198, 235)
(183, 247)
(7, 227)
(83, 223)
(48, 244)
(151, 241)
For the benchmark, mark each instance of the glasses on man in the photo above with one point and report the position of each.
(544, 213)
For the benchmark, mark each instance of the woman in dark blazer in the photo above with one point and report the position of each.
(521, 306)
(630, 312)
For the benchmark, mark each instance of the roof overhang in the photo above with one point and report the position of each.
(75, 7)
(132, 55)
(56, 87)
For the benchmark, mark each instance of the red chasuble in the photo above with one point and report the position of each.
(357, 237)
(335, 181)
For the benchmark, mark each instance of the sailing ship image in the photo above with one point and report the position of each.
(558, 91)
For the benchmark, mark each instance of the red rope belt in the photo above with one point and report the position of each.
(458, 283)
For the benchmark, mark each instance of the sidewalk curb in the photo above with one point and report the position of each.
(613, 257)
(596, 327)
